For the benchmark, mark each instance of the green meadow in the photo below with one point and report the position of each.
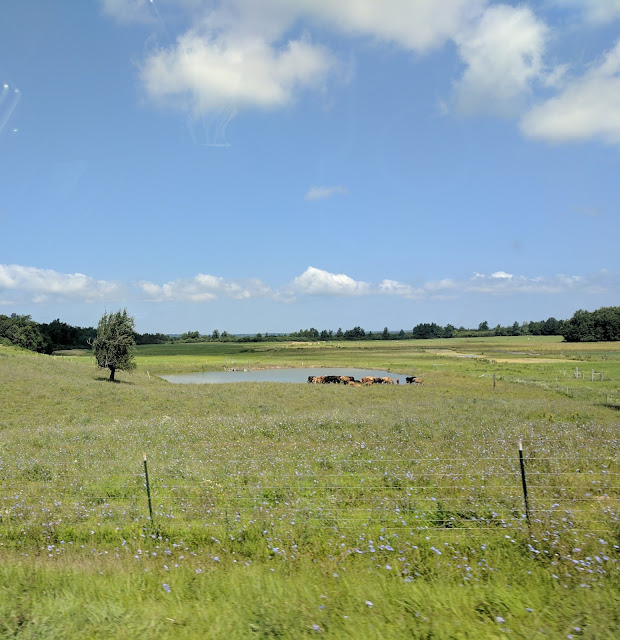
(295, 510)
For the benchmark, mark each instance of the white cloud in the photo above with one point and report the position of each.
(320, 193)
(239, 54)
(501, 283)
(43, 285)
(587, 108)
(205, 72)
(399, 289)
(317, 282)
(503, 56)
(418, 26)
(19, 284)
(203, 288)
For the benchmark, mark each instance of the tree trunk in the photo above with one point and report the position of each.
(112, 371)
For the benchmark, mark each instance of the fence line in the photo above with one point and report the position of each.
(414, 506)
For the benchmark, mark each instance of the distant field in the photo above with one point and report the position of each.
(294, 510)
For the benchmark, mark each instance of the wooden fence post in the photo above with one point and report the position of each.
(148, 489)
(524, 483)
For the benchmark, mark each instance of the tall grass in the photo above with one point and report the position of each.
(285, 510)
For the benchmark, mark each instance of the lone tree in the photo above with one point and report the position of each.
(115, 342)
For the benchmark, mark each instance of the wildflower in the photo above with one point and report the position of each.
(500, 620)
(166, 587)
(368, 603)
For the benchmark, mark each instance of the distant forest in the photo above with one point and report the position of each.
(585, 326)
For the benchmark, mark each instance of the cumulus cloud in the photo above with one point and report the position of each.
(503, 54)
(321, 193)
(417, 26)
(43, 285)
(587, 108)
(203, 288)
(317, 282)
(241, 54)
(19, 284)
(205, 72)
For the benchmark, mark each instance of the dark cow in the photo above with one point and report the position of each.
(333, 380)
(414, 380)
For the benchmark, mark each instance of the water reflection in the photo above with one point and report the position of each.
(276, 375)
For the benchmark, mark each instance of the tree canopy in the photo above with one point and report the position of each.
(115, 342)
(596, 326)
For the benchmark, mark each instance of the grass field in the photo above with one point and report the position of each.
(287, 511)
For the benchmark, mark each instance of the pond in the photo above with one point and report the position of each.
(276, 375)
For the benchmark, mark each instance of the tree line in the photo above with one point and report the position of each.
(23, 331)
(585, 326)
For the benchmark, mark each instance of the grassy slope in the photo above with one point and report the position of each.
(70, 464)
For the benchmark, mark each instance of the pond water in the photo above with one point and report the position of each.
(275, 375)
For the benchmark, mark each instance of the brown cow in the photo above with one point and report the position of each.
(367, 380)
(319, 380)
(387, 380)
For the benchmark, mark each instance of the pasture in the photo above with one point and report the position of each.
(295, 510)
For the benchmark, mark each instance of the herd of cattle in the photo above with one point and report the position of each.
(368, 380)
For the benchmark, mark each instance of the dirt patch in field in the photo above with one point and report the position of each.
(453, 354)
(477, 356)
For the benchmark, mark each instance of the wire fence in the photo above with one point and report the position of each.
(404, 493)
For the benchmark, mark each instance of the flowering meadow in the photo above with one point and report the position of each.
(295, 510)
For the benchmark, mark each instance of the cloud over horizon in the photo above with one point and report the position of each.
(203, 288)
(41, 285)
(45, 285)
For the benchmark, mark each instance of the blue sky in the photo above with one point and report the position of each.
(270, 166)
